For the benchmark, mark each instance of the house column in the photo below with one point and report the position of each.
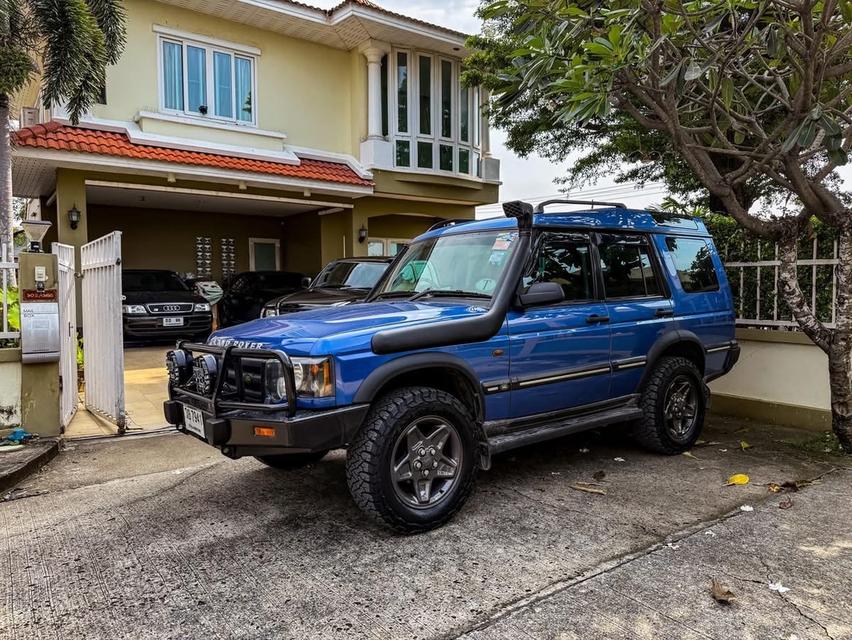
(490, 164)
(71, 192)
(374, 57)
(485, 128)
(376, 151)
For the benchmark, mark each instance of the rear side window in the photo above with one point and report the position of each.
(626, 267)
(694, 264)
(566, 260)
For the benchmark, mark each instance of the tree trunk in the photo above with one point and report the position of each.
(840, 349)
(836, 343)
(6, 212)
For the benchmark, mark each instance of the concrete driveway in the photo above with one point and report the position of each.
(159, 537)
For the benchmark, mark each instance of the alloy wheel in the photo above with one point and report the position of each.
(426, 461)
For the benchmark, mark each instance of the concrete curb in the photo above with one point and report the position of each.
(16, 466)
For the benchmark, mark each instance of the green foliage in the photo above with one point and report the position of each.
(12, 309)
(714, 98)
(71, 40)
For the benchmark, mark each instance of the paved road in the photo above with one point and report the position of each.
(162, 538)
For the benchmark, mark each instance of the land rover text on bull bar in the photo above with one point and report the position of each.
(482, 336)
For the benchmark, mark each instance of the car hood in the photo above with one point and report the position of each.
(162, 297)
(336, 330)
(318, 297)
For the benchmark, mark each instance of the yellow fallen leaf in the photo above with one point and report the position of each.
(774, 487)
(744, 445)
(689, 454)
(737, 479)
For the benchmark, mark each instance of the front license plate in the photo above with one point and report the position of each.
(193, 419)
(172, 322)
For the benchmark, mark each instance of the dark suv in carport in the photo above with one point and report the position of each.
(157, 305)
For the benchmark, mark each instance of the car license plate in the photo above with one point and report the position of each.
(193, 420)
(172, 322)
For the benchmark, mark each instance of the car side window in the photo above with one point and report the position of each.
(694, 264)
(567, 260)
(626, 267)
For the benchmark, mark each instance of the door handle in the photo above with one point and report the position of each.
(596, 319)
(664, 313)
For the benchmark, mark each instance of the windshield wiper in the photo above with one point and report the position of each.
(454, 293)
(392, 294)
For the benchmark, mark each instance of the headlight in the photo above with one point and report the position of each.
(313, 377)
(204, 372)
(201, 307)
(134, 309)
(179, 366)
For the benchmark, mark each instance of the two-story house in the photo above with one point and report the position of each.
(242, 135)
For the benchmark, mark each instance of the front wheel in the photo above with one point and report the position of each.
(673, 402)
(413, 463)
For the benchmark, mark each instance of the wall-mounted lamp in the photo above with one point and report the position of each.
(74, 217)
(362, 234)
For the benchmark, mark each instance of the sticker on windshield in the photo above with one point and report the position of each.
(503, 242)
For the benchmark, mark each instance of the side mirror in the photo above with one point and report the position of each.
(306, 282)
(542, 293)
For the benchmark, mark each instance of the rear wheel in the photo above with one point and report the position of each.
(413, 464)
(292, 460)
(673, 401)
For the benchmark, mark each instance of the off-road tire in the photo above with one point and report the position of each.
(292, 460)
(369, 459)
(650, 431)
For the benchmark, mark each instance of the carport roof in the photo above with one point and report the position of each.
(56, 136)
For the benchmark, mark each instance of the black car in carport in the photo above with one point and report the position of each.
(157, 304)
(341, 282)
(246, 293)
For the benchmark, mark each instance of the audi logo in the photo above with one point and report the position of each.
(171, 307)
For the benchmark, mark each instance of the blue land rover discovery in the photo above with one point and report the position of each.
(482, 336)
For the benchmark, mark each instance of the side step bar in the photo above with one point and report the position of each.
(562, 427)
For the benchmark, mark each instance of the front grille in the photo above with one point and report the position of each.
(171, 307)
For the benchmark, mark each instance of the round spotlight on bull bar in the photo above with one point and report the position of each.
(179, 366)
(205, 368)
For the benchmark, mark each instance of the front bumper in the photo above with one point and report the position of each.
(235, 432)
(242, 428)
(152, 326)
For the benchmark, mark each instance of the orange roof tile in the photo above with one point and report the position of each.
(60, 137)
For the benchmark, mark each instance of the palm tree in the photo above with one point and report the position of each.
(69, 43)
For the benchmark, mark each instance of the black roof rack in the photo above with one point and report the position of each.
(594, 203)
(449, 223)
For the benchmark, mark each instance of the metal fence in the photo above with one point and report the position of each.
(755, 284)
(7, 295)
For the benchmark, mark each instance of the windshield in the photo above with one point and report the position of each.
(138, 281)
(346, 275)
(460, 263)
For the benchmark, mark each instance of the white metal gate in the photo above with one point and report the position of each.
(69, 398)
(103, 343)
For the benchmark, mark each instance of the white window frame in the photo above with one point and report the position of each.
(413, 135)
(386, 242)
(210, 46)
(255, 241)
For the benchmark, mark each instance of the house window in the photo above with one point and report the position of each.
(436, 122)
(377, 247)
(208, 80)
(264, 254)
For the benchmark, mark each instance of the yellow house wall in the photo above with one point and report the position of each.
(304, 89)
